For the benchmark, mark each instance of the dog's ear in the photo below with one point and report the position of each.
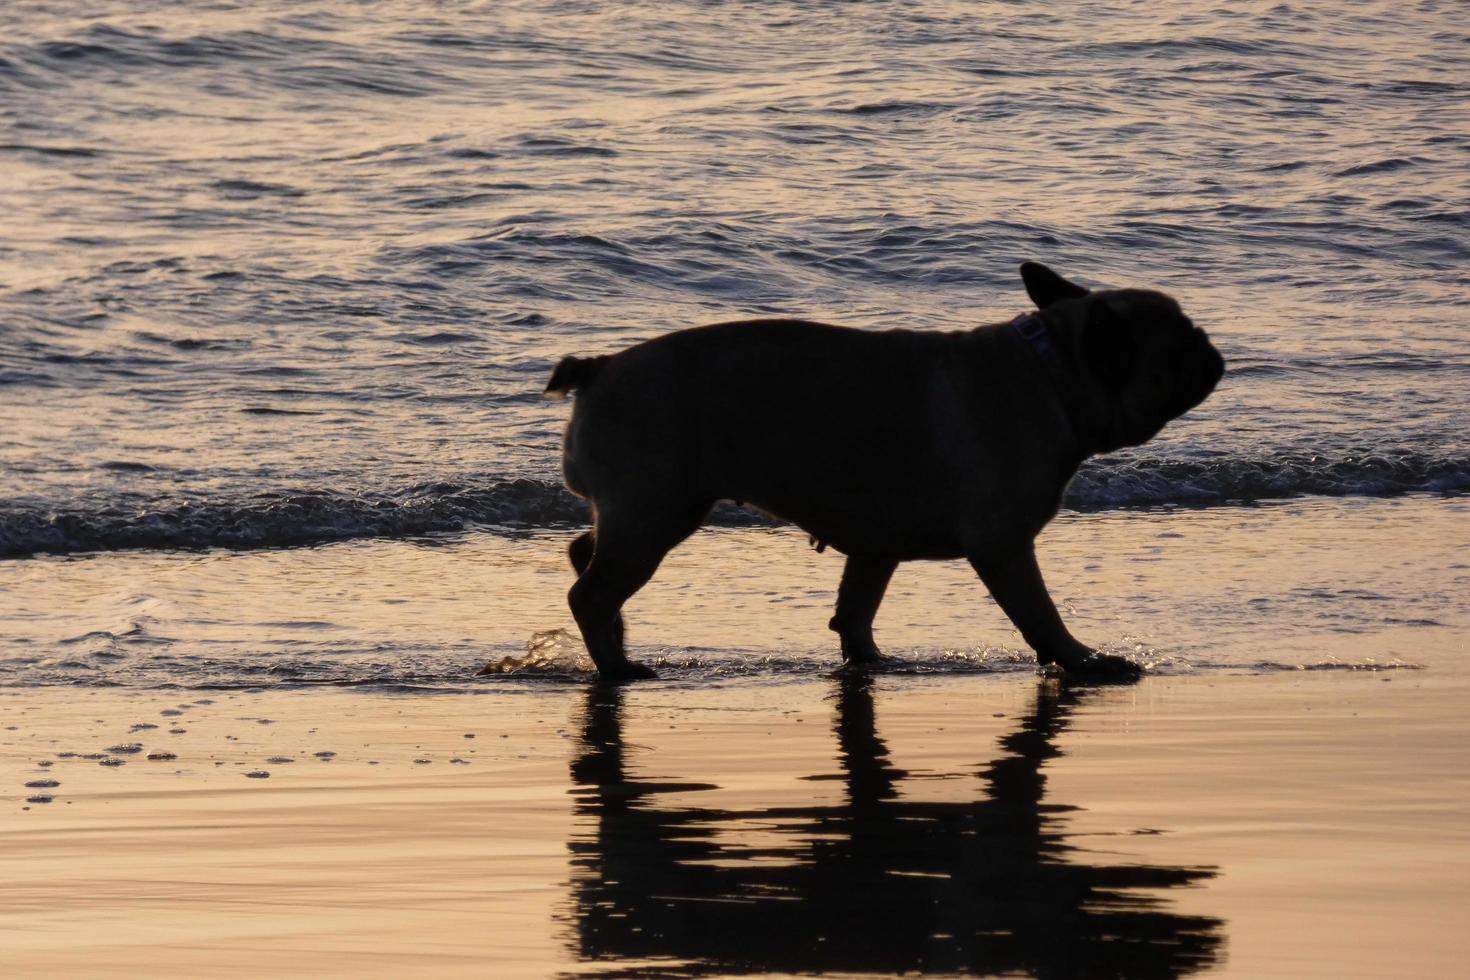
(1108, 347)
(1046, 287)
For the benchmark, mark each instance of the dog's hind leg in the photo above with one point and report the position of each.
(628, 547)
(864, 580)
(580, 552)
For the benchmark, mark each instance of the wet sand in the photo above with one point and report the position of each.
(1285, 824)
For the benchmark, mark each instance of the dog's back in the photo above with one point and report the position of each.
(819, 424)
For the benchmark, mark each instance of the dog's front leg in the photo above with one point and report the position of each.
(1014, 580)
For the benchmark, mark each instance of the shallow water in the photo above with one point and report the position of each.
(1307, 585)
(287, 272)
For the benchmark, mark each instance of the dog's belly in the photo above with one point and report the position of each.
(902, 529)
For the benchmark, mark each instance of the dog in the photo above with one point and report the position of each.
(889, 446)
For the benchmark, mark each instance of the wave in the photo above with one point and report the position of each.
(260, 60)
(1155, 481)
(285, 519)
(304, 517)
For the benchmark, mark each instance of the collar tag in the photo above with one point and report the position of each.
(1034, 332)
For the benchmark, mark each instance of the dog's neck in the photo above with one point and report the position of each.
(1033, 330)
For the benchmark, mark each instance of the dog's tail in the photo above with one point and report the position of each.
(572, 373)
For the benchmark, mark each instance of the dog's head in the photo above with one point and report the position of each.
(1142, 361)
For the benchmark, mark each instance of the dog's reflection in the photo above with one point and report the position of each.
(881, 883)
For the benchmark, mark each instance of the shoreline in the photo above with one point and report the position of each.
(1294, 585)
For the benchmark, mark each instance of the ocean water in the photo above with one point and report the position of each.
(275, 274)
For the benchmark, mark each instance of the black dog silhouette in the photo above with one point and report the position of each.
(891, 446)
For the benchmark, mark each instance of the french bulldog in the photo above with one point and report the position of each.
(889, 446)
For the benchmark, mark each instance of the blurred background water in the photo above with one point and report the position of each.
(280, 272)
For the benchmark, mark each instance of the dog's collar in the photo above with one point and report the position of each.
(1032, 329)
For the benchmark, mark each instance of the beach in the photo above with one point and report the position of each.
(1282, 797)
(1297, 825)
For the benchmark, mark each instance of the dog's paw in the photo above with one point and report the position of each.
(627, 671)
(1098, 668)
(877, 663)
